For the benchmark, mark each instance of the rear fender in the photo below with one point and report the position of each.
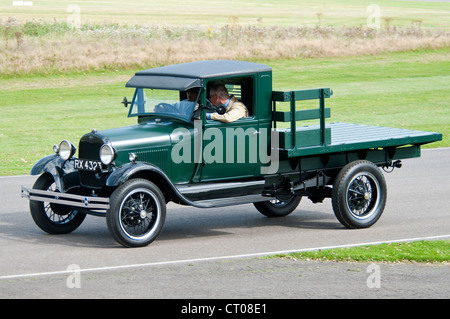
(63, 172)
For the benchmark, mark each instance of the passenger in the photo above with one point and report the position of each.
(185, 106)
(191, 94)
(218, 95)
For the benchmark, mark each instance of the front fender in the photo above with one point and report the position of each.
(127, 171)
(62, 171)
(124, 172)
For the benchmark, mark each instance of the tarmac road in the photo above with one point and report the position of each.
(216, 253)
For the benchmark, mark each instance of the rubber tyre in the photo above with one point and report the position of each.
(137, 213)
(278, 208)
(359, 194)
(50, 217)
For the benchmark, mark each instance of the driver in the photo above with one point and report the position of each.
(182, 107)
(218, 94)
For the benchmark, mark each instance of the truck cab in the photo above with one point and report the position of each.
(219, 157)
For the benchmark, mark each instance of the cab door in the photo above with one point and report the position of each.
(230, 150)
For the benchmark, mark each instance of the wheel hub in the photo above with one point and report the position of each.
(143, 214)
(362, 195)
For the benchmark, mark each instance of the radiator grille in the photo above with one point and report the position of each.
(158, 157)
(89, 149)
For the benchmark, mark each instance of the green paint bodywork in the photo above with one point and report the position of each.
(301, 147)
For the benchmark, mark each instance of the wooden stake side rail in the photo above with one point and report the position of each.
(301, 115)
(338, 137)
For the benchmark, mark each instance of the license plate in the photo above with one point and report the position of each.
(87, 165)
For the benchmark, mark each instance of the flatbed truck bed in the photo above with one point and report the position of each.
(351, 137)
(337, 144)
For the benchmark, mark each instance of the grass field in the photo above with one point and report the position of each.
(59, 83)
(434, 251)
(211, 13)
(82, 41)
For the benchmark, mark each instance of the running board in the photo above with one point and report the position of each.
(205, 188)
(230, 201)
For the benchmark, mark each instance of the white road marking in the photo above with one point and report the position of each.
(162, 263)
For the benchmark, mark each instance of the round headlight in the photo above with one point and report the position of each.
(107, 154)
(66, 150)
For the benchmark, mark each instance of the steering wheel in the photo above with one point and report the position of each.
(163, 107)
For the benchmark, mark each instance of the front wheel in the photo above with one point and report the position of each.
(137, 213)
(359, 194)
(51, 217)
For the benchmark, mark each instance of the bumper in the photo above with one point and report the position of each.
(88, 202)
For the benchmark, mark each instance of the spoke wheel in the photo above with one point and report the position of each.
(362, 195)
(50, 217)
(359, 195)
(137, 213)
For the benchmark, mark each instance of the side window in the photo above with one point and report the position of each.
(235, 89)
(243, 90)
(248, 95)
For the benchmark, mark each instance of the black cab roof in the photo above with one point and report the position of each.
(188, 75)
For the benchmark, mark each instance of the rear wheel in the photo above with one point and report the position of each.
(50, 217)
(359, 194)
(278, 207)
(137, 213)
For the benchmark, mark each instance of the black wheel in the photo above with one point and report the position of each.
(50, 217)
(359, 194)
(277, 207)
(137, 213)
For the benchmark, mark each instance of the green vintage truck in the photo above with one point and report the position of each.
(176, 153)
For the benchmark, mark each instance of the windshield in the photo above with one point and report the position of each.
(171, 103)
